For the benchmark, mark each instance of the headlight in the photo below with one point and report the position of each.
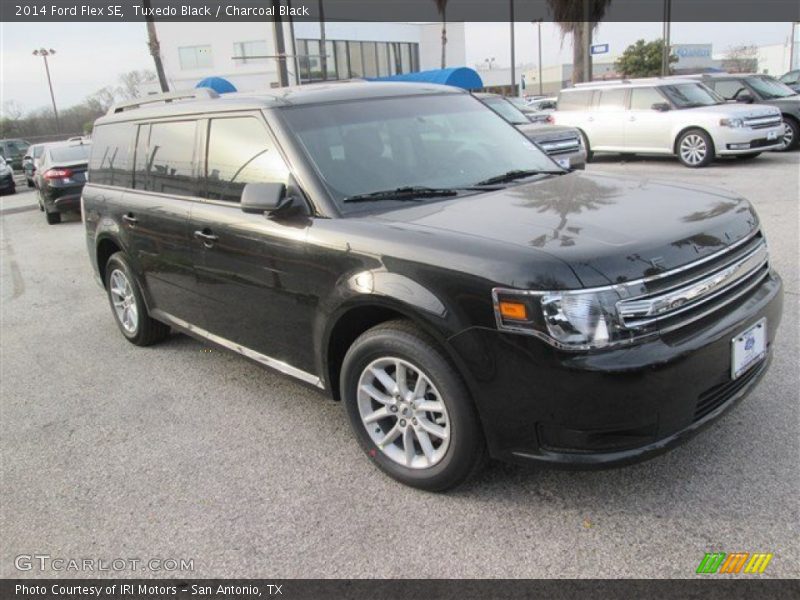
(731, 122)
(570, 320)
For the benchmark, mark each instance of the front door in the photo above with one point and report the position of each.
(252, 270)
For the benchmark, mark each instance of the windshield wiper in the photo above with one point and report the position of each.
(412, 193)
(516, 174)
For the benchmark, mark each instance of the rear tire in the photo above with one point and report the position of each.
(127, 304)
(589, 153)
(29, 182)
(695, 149)
(438, 442)
(53, 218)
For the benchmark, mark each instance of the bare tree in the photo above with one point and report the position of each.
(571, 16)
(741, 59)
(12, 110)
(102, 99)
(131, 83)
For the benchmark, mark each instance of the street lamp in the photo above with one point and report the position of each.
(44, 53)
(489, 62)
(538, 23)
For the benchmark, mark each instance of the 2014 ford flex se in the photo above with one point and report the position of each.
(404, 248)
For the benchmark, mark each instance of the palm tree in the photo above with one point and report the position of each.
(570, 16)
(153, 45)
(441, 7)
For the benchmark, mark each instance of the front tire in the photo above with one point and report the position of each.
(791, 135)
(127, 304)
(409, 408)
(695, 149)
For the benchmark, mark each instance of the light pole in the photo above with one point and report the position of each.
(489, 62)
(665, 38)
(513, 58)
(538, 23)
(44, 53)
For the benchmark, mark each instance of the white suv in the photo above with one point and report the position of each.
(667, 116)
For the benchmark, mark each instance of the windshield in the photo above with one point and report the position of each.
(505, 109)
(690, 95)
(769, 88)
(436, 141)
(66, 154)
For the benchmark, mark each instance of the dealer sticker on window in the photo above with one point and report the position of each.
(748, 348)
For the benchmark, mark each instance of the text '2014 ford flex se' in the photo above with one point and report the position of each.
(404, 248)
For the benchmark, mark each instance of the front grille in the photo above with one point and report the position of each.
(763, 122)
(714, 397)
(677, 298)
(562, 146)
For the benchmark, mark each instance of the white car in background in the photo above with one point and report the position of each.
(671, 116)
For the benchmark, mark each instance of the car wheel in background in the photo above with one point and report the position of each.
(695, 149)
(791, 135)
(410, 409)
(127, 304)
(53, 218)
(29, 182)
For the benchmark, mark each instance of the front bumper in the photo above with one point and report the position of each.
(613, 407)
(745, 140)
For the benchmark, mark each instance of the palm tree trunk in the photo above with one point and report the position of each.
(444, 39)
(577, 53)
(155, 48)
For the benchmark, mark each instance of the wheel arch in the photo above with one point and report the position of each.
(690, 128)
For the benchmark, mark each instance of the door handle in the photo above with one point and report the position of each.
(130, 219)
(206, 236)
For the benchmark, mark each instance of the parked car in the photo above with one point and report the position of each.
(563, 144)
(12, 150)
(7, 184)
(400, 247)
(30, 161)
(762, 89)
(540, 110)
(679, 117)
(792, 79)
(62, 175)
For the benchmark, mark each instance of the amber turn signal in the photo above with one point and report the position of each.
(513, 310)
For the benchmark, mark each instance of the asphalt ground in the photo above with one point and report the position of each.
(179, 451)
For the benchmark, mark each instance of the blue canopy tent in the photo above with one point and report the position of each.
(218, 84)
(462, 77)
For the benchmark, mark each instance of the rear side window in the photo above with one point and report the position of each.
(575, 99)
(611, 99)
(728, 89)
(165, 158)
(110, 163)
(644, 98)
(240, 151)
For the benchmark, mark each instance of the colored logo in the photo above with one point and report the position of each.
(738, 562)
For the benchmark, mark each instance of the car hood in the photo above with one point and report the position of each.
(546, 131)
(608, 229)
(790, 103)
(734, 109)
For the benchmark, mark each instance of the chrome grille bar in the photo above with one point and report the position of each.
(641, 311)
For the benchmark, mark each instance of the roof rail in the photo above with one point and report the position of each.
(195, 94)
(601, 82)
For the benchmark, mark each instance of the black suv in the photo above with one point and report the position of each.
(405, 249)
(762, 89)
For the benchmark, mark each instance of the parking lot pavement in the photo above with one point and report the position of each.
(179, 451)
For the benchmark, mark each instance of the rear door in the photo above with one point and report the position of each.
(252, 269)
(646, 129)
(155, 215)
(608, 120)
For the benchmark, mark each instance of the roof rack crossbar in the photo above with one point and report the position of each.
(195, 94)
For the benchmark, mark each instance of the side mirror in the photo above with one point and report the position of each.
(661, 106)
(744, 98)
(260, 198)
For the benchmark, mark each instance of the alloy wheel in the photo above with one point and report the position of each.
(124, 301)
(693, 149)
(403, 413)
(788, 135)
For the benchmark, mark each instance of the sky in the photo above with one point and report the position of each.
(90, 56)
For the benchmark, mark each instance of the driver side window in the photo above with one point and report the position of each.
(240, 151)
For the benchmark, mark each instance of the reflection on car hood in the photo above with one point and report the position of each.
(608, 229)
(733, 109)
(546, 131)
